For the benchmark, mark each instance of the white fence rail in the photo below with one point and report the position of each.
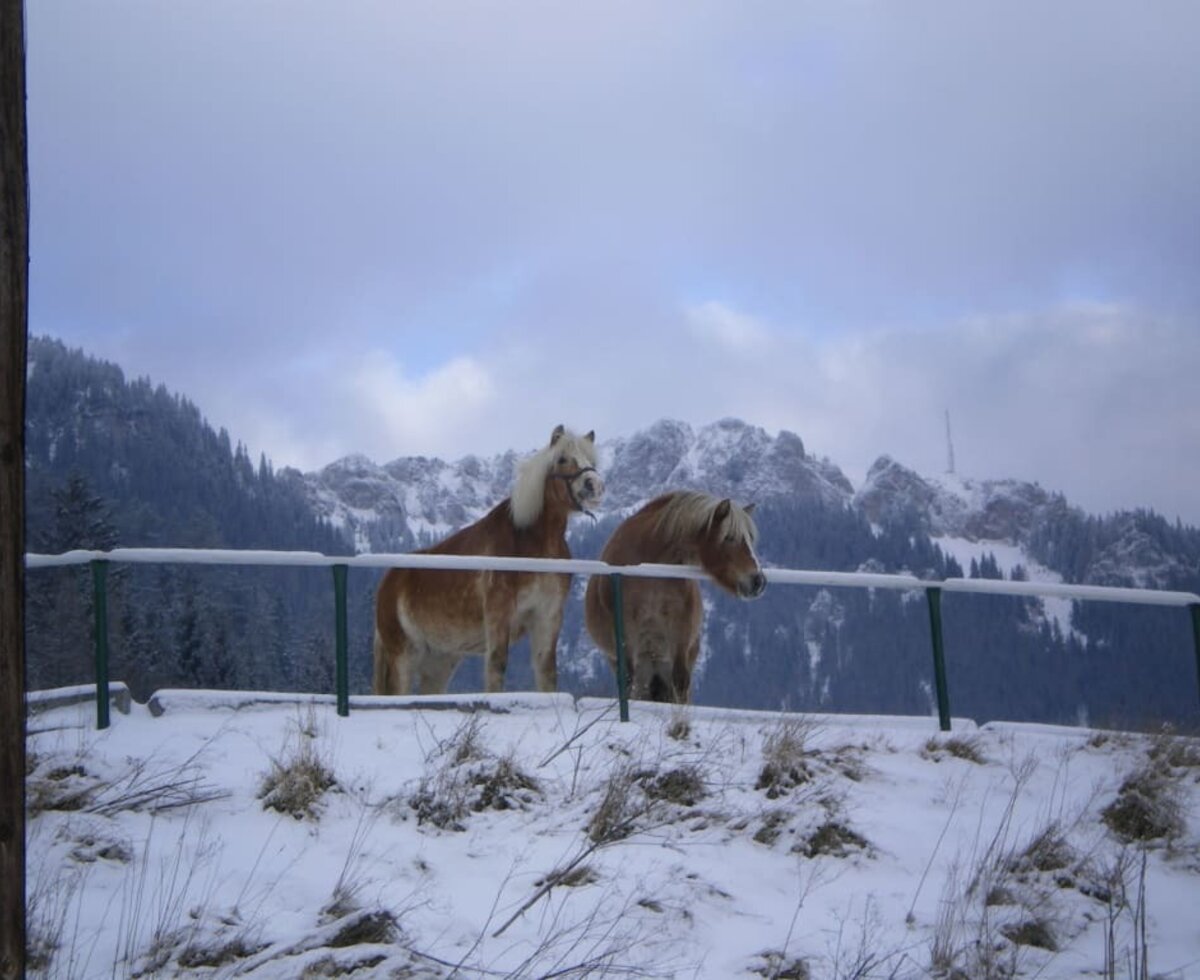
(932, 588)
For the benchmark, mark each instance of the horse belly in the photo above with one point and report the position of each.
(541, 597)
(448, 619)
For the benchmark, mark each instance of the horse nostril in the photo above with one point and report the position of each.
(759, 583)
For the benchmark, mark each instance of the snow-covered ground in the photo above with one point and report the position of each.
(537, 836)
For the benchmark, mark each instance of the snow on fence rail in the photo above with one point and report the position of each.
(933, 588)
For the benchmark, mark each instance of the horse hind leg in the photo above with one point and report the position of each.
(393, 664)
(681, 678)
(685, 660)
(435, 670)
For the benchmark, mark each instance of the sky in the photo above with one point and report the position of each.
(440, 229)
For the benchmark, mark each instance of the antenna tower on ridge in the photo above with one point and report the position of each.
(949, 446)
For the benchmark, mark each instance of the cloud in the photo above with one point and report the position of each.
(1094, 401)
(737, 333)
(406, 416)
(812, 216)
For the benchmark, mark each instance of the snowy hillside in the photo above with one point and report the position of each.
(225, 835)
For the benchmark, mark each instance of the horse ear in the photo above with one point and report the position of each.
(556, 434)
(749, 508)
(722, 511)
(591, 436)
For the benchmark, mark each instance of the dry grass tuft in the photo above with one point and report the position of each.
(1146, 808)
(378, 926)
(684, 786)
(785, 755)
(575, 877)
(1170, 751)
(773, 824)
(329, 967)
(619, 807)
(464, 779)
(779, 966)
(1031, 932)
(832, 838)
(223, 954)
(295, 786)
(1048, 851)
(969, 748)
(63, 789)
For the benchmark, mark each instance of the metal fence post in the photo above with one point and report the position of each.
(100, 635)
(341, 665)
(1195, 611)
(619, 641)
(933, 595)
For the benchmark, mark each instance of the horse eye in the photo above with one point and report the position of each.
(562, 460)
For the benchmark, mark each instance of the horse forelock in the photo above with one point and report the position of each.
(690, 512)
(529, 490)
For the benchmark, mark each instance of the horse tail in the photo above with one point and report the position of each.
(598, 613)
(390, 645)
(382, 683)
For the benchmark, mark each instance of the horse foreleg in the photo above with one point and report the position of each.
(640, 662)
(543, 647)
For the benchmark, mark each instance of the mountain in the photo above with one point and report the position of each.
(416, 498)
(119, 462)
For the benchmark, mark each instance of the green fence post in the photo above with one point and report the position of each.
(1195, 609)
(619, 640)
(341, 665)
(934, 596)
(100, 635)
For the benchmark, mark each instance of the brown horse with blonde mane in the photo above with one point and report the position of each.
(662, 617)
(427, 620)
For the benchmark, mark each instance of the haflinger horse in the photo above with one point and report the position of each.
(427, 620)
(662, 617)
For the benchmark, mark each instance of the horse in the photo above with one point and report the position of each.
(662, 617)
(427, 620)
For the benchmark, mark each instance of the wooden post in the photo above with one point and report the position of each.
(14, 307)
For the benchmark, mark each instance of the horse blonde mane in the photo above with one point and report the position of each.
(690, 511)
(529, 490)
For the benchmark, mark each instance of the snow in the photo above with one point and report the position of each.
(714, 885)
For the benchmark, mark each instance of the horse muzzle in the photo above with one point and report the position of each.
(752, 586)
(588, 490)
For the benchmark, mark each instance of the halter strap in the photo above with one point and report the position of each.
(569, 479)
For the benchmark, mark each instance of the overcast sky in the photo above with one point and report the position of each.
(399, 228)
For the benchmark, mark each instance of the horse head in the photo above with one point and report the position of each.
(574, 463)
(727, 551)
(563, 472)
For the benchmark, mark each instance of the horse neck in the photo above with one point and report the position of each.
(550, 526)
